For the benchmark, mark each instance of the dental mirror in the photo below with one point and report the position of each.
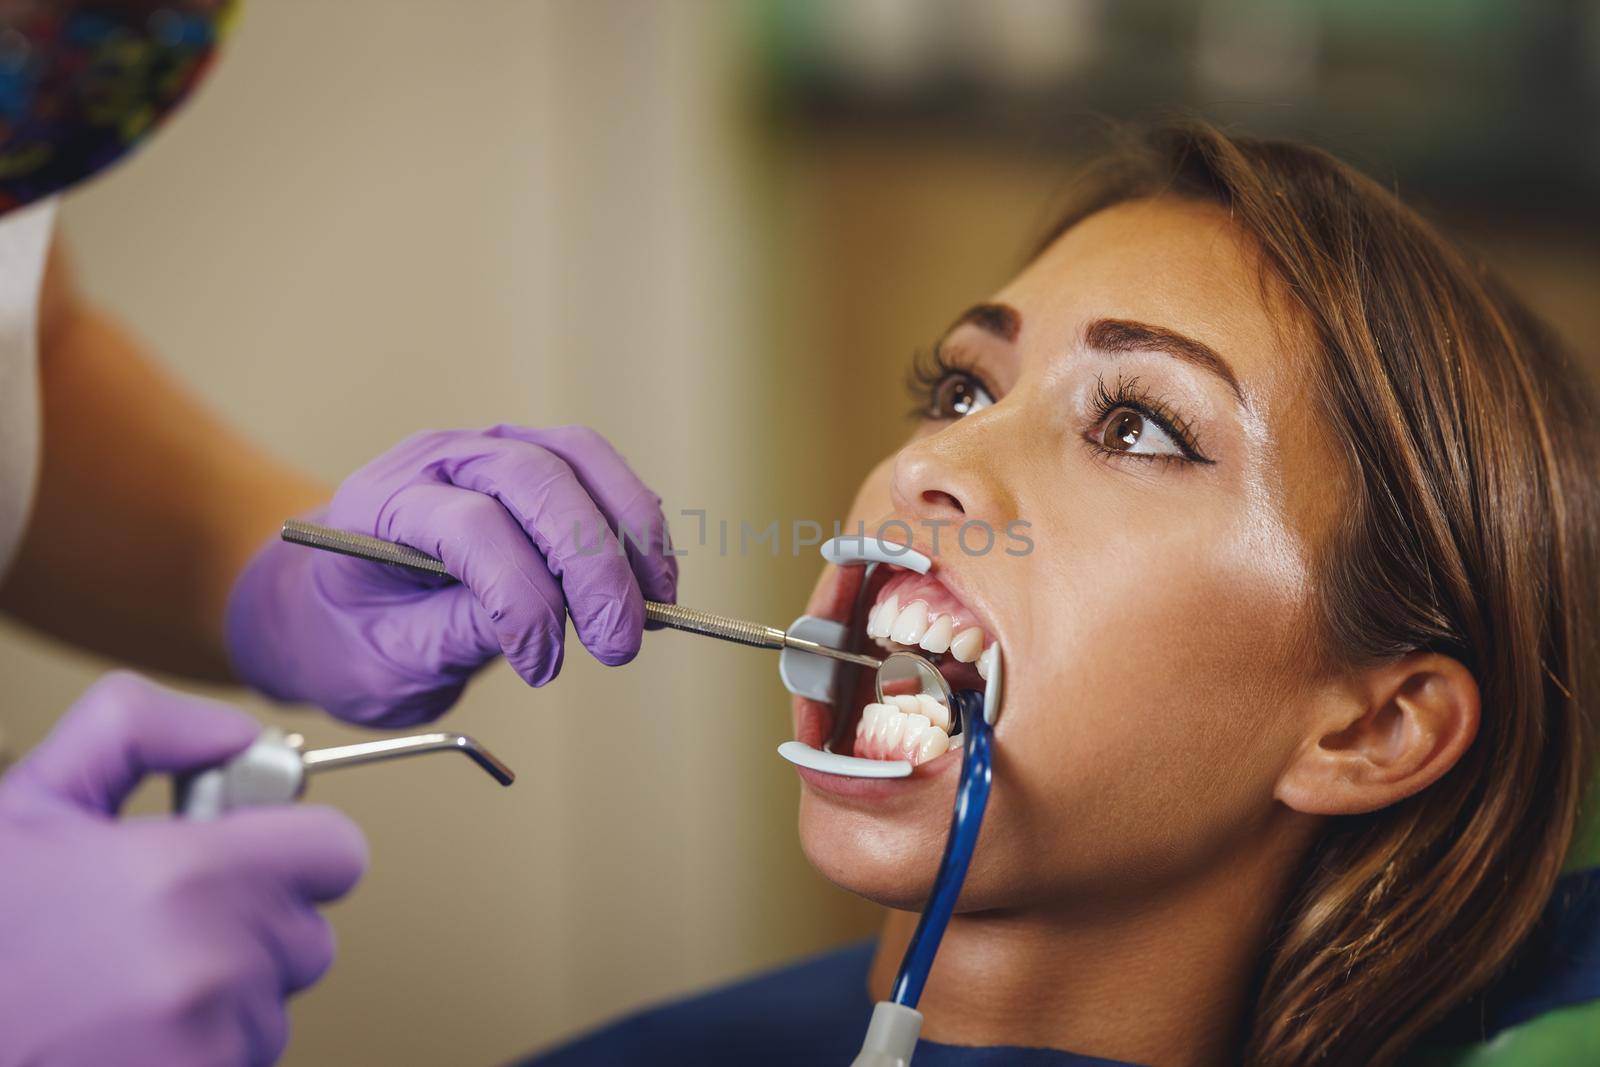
(906, 673)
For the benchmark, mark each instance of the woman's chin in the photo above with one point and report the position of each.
(862, 853)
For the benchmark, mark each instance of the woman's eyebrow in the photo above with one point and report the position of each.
(1001, 320)
(1124, 335)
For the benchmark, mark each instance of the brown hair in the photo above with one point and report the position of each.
(1471, 439)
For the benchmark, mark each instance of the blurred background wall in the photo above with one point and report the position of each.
(715, 231)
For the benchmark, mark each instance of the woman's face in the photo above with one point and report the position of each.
(1138, 399)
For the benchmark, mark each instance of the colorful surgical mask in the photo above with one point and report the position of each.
(83, 82)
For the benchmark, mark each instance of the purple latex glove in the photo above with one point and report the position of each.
(526, 520)
(155, 941)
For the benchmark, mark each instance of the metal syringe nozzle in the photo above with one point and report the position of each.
(322, 759)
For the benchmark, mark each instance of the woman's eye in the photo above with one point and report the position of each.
(1127, 430)
(957, 395)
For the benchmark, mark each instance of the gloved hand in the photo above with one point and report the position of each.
(155, 941)
(527, 521)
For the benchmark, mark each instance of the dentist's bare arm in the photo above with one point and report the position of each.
(148, 504)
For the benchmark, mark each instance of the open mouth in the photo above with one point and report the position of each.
(899, 605)
(907, 611)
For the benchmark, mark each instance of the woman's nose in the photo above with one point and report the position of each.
(948, 475)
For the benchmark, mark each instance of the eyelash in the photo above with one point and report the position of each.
(931, 368)
(1129, 395)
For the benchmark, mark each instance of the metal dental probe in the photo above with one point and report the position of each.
(674, 616)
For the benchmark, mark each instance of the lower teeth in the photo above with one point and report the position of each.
(912, 728)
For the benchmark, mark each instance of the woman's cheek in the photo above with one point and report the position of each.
(874, 499)
(1144, 725)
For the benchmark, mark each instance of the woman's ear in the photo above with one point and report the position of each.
(1389, 733)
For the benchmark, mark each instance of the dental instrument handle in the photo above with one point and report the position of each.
(361, 546)
(710, 624)
(674, 616)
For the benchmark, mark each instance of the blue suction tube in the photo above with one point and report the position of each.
(972, 796)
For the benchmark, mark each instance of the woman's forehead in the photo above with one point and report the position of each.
(1175, 264)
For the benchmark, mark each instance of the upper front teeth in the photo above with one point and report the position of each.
(912, 625)
(882, 617)
(937, 637)
(967, 645)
